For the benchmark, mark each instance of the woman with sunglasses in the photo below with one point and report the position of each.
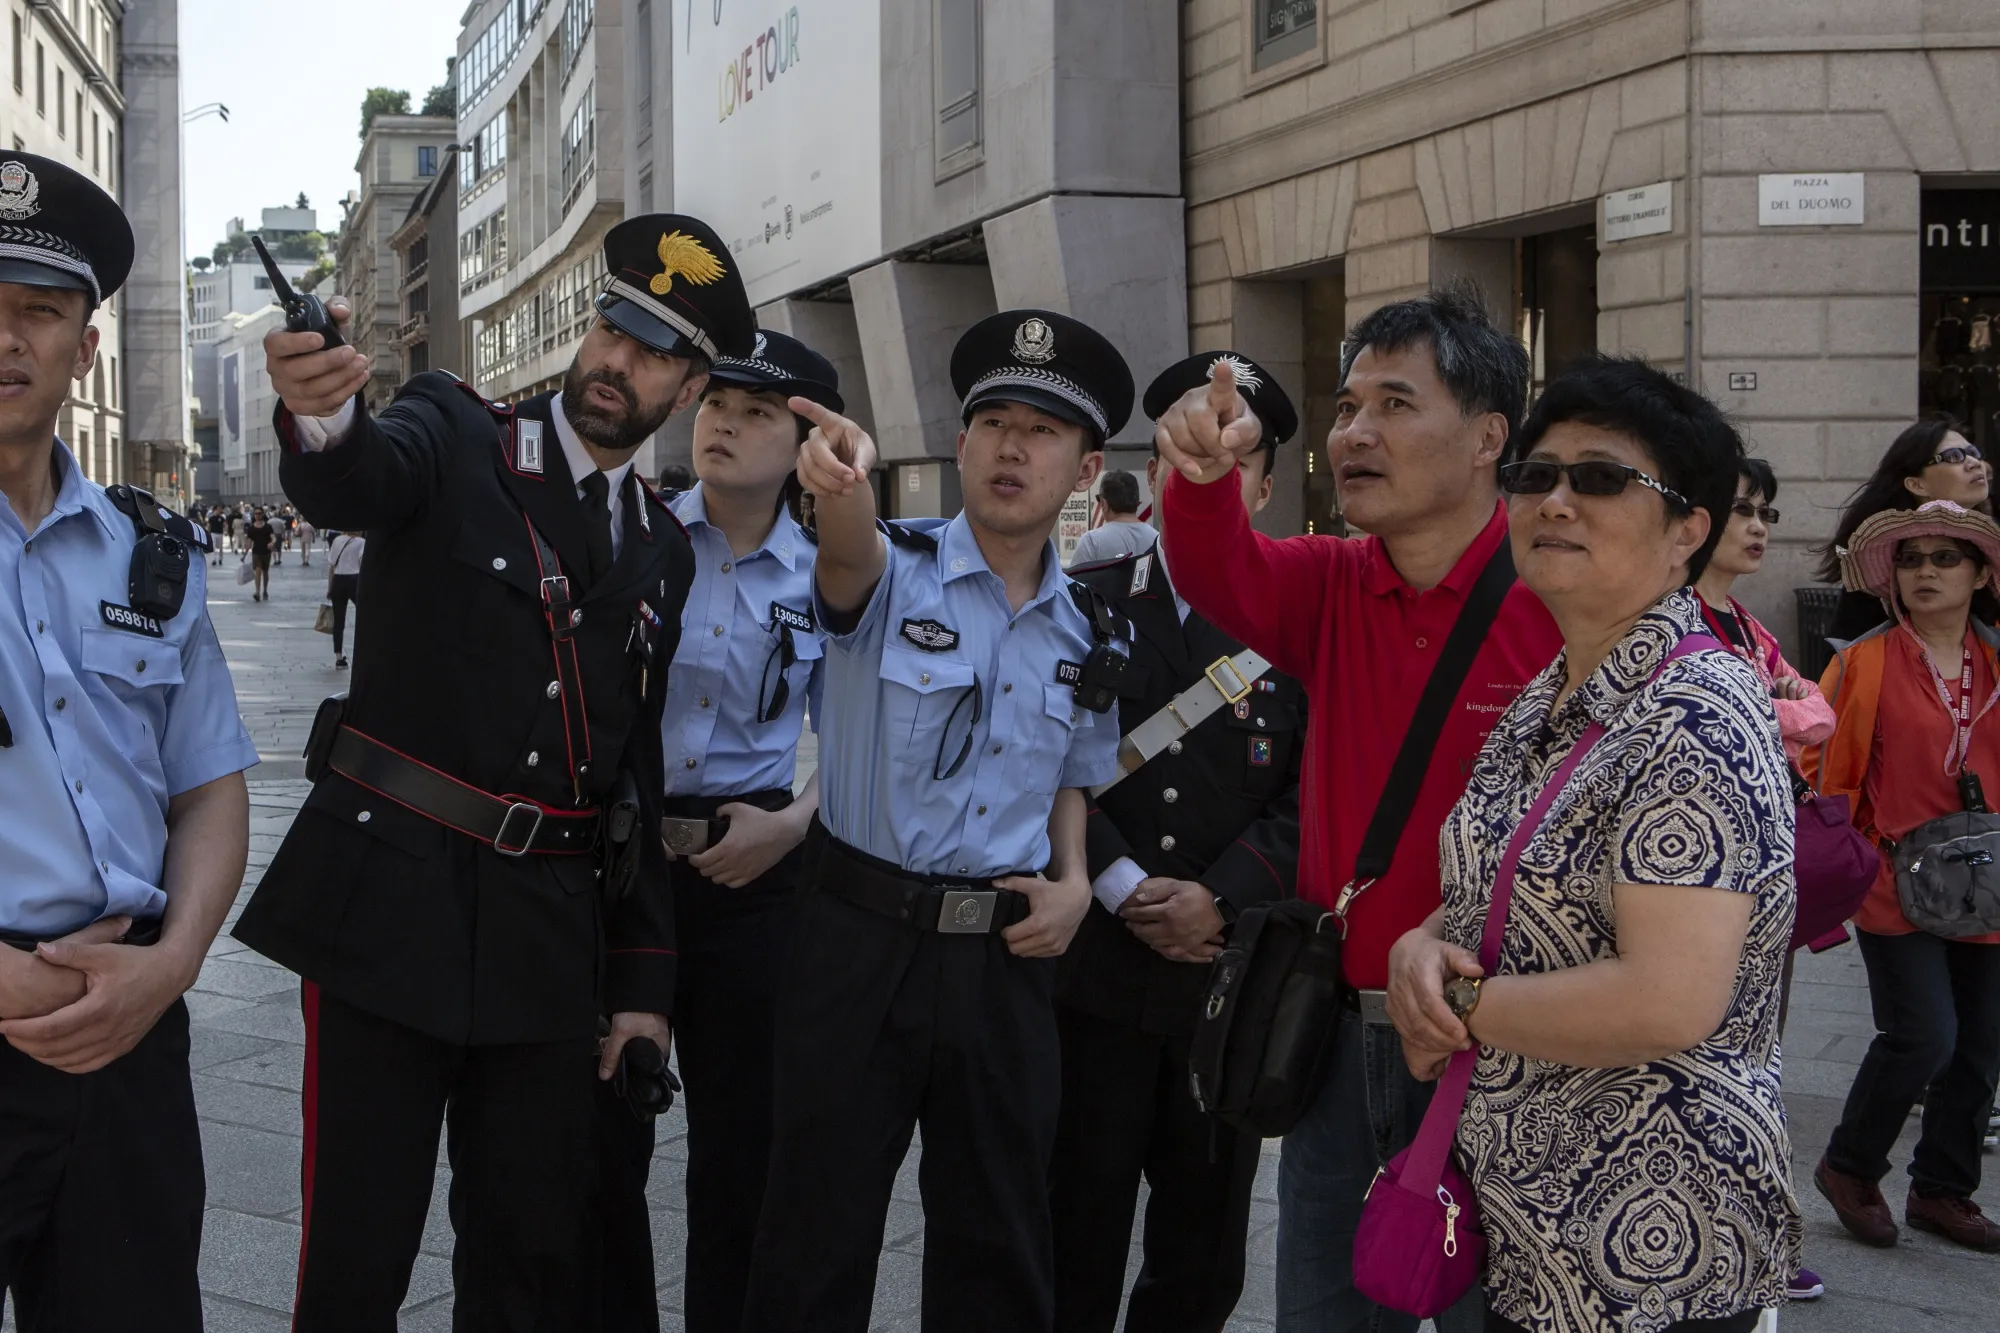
(1913, 703)
(1624, 1136)
(1930, 460)
(747, 666)
(1804, 718)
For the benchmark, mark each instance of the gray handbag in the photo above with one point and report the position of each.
(1948, 874)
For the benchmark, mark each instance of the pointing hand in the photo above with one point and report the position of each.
(1208, 429)
(837, 456)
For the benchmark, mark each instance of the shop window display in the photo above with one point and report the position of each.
(1959, 364)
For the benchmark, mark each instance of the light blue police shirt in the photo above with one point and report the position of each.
(728, 660)
(899, 703)
(109, 719)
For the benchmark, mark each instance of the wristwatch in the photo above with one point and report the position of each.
(1461, 995)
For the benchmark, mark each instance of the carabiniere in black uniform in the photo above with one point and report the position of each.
(477, 874)
(1220, 806)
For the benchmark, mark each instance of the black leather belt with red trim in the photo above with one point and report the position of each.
(511, 825)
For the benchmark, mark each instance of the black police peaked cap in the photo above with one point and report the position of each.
(1046, 361)
(1258, 386)
(674, 288)
(782, 364)
(58, 228)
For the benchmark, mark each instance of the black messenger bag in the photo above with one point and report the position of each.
(1267, 1023)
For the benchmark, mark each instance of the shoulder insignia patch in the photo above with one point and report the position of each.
(930, 635)
(528, 446)
(1142, 574)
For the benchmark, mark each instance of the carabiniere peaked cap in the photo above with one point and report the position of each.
(59, 229)
(782, 364)
(674, 288)
(1046, 361)
(1257, 385)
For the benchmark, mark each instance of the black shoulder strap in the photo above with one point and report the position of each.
(1399, 794)
(149, 516)
(902, 536)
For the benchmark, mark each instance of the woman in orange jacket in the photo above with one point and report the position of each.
(1914, 709)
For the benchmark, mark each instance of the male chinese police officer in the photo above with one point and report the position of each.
(735, 707)
(953, 752)
(126, 822)
(477, 873)
(1203, 823)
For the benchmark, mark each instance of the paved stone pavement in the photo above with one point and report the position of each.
(248, 1057)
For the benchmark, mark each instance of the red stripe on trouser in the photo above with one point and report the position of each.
(309, 1106)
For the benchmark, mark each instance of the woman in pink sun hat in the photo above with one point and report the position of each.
(1914, 719)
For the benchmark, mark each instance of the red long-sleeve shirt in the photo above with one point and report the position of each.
(1333, 612)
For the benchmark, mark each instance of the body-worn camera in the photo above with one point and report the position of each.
(1100, 680)
(304, 313)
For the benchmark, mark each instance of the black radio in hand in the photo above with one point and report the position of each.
(304, 313)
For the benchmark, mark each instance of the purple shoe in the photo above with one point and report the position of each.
(1805, 1286)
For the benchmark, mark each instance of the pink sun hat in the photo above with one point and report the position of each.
(1868, 564)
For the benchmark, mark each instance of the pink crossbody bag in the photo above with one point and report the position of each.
(1419, 1247)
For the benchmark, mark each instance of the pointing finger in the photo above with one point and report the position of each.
(1222, 389)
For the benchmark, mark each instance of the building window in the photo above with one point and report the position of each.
(79, 125)
(482, 252)
(114, 382)
(1283, 29)
(41, 83)
(111, 160)
(577, 18)
(579, 147)
(261, 283)
(62, 106)
(19, 85)
(427, 160)
(96, 155)
(487, 58)
(485, 157)
(646, 188)
(955, 78)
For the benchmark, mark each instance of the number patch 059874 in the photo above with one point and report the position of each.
(132, 622)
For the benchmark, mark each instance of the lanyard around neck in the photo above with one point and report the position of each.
(1960, 713)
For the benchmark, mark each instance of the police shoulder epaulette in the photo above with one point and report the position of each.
(660, 502)
(149, 515)
(1110, 573)
(909, 537)
(496, 408)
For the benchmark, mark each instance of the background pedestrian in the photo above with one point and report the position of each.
(1914, 707)
(343, 585)
(1119, 529)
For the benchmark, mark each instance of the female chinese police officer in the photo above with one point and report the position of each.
(748, 662)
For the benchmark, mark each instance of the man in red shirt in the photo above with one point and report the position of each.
(1431, 391)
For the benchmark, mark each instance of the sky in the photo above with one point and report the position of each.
(292, 74)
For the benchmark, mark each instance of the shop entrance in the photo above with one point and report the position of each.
(1959, 305)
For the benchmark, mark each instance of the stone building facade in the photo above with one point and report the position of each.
(96, 84)
(426, 247)
(541, 178)
(1344, 153)
(400, 156)
(1030, 156)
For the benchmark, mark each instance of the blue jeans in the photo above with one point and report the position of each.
(1367, 1111)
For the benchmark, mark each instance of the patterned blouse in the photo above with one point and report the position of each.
(1627, 1199)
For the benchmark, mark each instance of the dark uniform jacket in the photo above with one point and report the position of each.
(1223, 811)
(455, 667)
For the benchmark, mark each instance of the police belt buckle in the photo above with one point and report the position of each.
(502, 845)
(687, 837)
(967, 911)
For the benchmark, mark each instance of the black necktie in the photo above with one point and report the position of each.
(597, 523)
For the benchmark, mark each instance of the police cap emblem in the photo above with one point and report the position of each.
(18, 192)
(1034, 342)
(684, 256)
(1247, 379)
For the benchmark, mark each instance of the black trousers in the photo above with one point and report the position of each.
(882, 1028)
(1127, 1113)
(1937, 1035)
(340, 590)
(520, 1122)
(101, 1190)
(732, 947)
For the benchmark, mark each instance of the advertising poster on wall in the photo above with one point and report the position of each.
(229, 429)
(778, 134)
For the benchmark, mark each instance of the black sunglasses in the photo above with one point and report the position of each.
(1945, 557)
(1958, 453)
(1744, 509)
(784, 656)
(1596, 476)
(939, 770)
